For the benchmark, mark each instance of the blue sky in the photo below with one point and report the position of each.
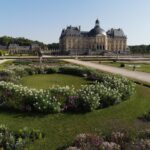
(43, 20)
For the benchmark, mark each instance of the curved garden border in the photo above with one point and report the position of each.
(105, 90)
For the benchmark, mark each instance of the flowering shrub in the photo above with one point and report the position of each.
(88, 141)
(105, 91)
(142, 144)
(120, 138)
(145, 134)
(122, 84)
(143, 141)
(119, 85)
(10, 140)
(97, 95)
(56, 99)
(72, 148)
(89, 99)
(92, 142)
(109, 146)
(20, 97)
(66, 96)
(146, 116)
(19, 70)
(116, 141)
(7, 75)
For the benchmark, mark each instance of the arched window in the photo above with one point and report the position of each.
(97, 46)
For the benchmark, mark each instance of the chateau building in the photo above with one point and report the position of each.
(96, 41)
(17, 49)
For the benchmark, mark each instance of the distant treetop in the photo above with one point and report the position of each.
(21, 41)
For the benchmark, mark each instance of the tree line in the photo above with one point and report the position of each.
(53, 46)
(140, 49)
(6, 40)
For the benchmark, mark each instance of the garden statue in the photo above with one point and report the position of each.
(134, 67)
(40, 55)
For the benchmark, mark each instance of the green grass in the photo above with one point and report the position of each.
(4, 52)
(60, 129)
(139, 66)
(6, 64)
(46, 81)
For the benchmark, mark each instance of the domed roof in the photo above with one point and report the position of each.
(97, 30)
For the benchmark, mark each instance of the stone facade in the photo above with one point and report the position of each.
(16, 49)
(76, 42)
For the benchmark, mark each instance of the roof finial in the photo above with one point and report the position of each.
(97, 22)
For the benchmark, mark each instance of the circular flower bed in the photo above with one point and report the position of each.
(105, 90)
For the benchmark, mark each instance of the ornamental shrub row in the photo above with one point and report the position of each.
(98, 96)
(25, 99)
(57, 99)
(106, 90)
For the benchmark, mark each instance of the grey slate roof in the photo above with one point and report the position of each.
(70, 31)
(13, 46)
(84, 33)
(75, 31)
(115, 33)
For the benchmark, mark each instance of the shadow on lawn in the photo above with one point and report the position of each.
(16, 113)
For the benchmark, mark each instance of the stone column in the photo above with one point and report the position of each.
(106, 43)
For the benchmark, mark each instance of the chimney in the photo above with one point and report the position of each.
(79, 28)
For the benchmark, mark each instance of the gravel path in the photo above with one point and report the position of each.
(142, 76)
(3, 60)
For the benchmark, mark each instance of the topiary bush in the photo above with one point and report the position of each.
(122, 65)
(50, 70)
(73, 70)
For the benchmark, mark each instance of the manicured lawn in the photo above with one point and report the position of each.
(144, 67)
(46, 81)
(6, 64)
(60, 129)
